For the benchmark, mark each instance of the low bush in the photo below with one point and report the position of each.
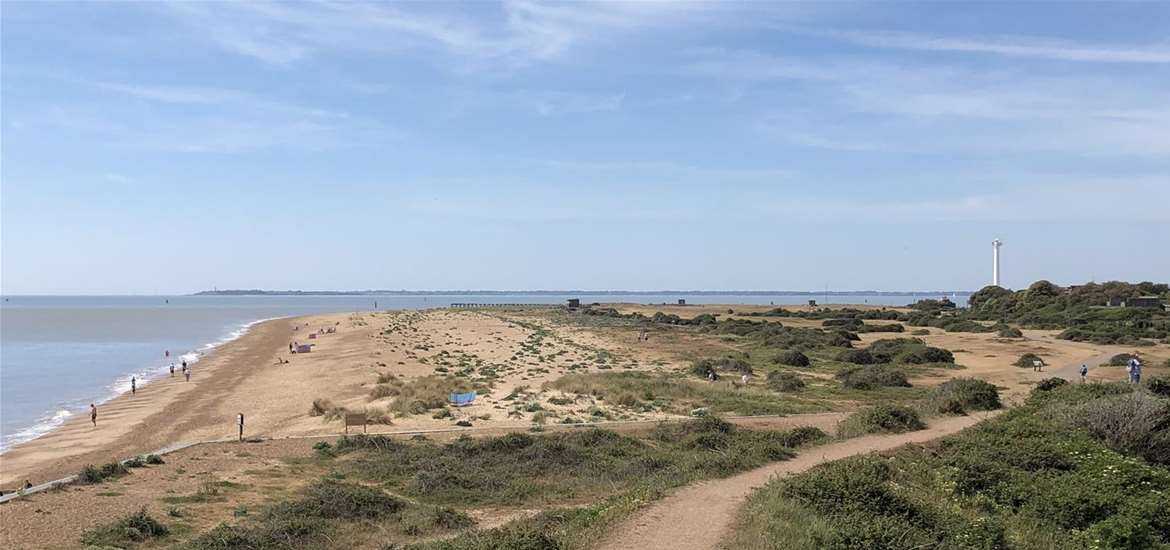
(791, 358)
(872, 376)
(1026, 361)
(1159, 386)
(305, 521)
(885, 327)
(704, 367)
(857, 357)
(154, 459)
(1121, 359)
(883, 418)
(784, 381)
(1137, 423)
(98, 474)
(128, 531)
(1010, 332)
(1049, 384)
(960, 395)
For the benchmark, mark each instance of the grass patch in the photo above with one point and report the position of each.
(1063, 471)
(883, 418)
(679, 395)
(126, 532)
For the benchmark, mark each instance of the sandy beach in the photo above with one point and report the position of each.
(250, 376)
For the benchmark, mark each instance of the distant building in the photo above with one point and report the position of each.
(812, 303)
(682, 302)
(1152, 302)
(574, 303)
(1116, 301)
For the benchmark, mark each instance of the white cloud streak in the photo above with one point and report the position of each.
(1013, 46)
(524, 31)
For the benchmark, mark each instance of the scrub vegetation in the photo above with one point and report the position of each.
(1078, 466)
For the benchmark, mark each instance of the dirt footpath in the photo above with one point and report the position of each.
(699, 516)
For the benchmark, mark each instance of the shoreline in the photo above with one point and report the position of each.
(130, 424)
(54, 420)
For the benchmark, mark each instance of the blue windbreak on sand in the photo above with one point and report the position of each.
(461, 399)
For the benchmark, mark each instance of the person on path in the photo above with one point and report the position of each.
(187, 374)
(93, 414)
(1135, 371)
(172, 370)
(1084, 373)
(133, 385)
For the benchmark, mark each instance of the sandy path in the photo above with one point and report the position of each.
(699, 516)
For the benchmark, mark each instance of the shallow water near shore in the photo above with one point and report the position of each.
(60, 353)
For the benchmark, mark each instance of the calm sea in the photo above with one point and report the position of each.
(60, 353)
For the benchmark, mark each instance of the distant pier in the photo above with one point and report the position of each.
(469, 305)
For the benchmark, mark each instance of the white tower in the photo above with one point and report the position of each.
(995, 261)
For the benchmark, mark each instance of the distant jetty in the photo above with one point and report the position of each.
(257, 292)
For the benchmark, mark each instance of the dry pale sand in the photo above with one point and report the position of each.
(248, 376)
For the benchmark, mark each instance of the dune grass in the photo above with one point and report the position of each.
(383, 492)
(1054, 473)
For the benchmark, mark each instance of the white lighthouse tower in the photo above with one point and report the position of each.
(995, 261)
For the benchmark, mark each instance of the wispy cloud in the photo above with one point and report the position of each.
(865, 105)
(1014, 46)
(1034, 198)
(522, 31)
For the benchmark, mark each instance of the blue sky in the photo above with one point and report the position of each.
(161, 148)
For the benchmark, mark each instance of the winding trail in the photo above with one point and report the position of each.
(1072, 371)
(698, 517)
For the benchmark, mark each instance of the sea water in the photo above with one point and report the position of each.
(58, 354)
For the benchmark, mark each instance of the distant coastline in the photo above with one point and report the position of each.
(258, 292)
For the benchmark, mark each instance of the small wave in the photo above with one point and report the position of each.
(44, 425)
(121, 385)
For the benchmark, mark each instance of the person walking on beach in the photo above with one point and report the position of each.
(187, 373)
(1084, 373)
(133, 385)
(172, 370)
(93, 414)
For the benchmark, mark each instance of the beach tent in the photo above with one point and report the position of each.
(304, 348)
(461, 399)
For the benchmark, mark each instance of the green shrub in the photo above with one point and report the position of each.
(963, 394)
(857, 357)
(1159, 386)
(98, 474)
(1121, 359)
(784, 381)
(872, 376)
(704, 367)
(1026, 361)
(444, 517)
(1049, 384)
(1010, 332)
(791, 358)
(128, 531)
(135, 462)
(883, 418)
(333, 499)
(154, 460)
(1137, 423)
(925, 354)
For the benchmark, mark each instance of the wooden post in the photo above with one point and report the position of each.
(240, 421)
